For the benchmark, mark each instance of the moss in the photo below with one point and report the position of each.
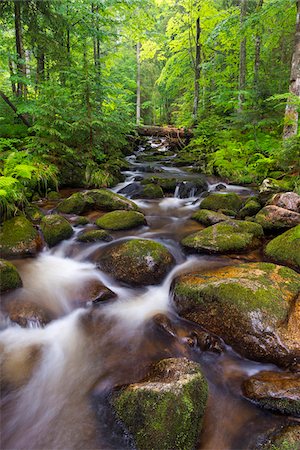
(285, 249)
(106, 200)
(80, 221)
(216, 202)
(75, 204)
(55, 228)
(167, 184)
(94, 236)
(284, 406)
(252, 206)
(9, 277)
(272, 217)
(53, 195)
(18, 237)
(207, 217)
(33, 213)
(151, 191)
(121, 220)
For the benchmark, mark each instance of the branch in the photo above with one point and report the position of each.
(21, 116)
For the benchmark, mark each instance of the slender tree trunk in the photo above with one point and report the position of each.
(40, 66)
(21, 87)
(197, 70)
(291, 111)
(12, 106)
(257, 52)
(138, 87)
(243, 66)
(88, 101)
(11, 71)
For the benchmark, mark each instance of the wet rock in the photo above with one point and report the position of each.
(167, 184)
(285, 438)
(137, 262)
(132, 190)
(121, 220)
(275, 218)
(287, 200)
(150, 191)
(75, 204)
(94, 236)
(187, 189)
(18, 237)
(251, 207)
(285, 249)
(216, 202)
(225, 237)
(253, 307)
(9, 276)
(207, 217)
(27, 314)
(94, 291)
(277, 391)
(55, 229)
(220, 187)
(165, 411)
(34, 214)
(79, 221)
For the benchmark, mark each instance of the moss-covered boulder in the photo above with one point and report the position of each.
(53, 195)
(34, 214)
(167, 184)
(253, 307)
(137, 262)
(94, 236)
(207, 217)
(251, 207)
(121, 220)
(150, 191)
(277, 391)
(285, 248)
(225, 237)
(75, 204)
(273, 218)
(27, 314)
(165, 411)
(287, 200)
(55, 228)
(270, 186)
(18, 238)
(105, 200)
(79, 221)
(9, 276)
(216, 202)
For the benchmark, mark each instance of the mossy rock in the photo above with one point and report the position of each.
(251, 207)
(287, 200)
(55, 229)
(18, 238)
(167, 184)
(75, 204)
(105, 200)
(137, 262)
(239, 303)
(207, 217)
(276, 391)
(94, 236)
(151, 191)
(225, 237)
(9, 276)
(216, 202)
(285, 249)
(33, 213)
(273, 218)
(284, 438)
(165, 412)
(80, 221)
(121, 220)
(53, 195)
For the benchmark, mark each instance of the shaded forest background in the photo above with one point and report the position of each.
(77, 75)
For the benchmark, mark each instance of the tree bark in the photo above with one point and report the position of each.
(257, 52)
(12, 106)
(11, 71)
(197, 70)
(138, 85)
(243, 67)
(291, 111)
(40, 67)
(21, 68)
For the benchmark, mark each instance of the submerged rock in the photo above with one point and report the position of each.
(94, 236)
(225, 237)
(9, 276)
(55, 229)
(207, 217)
(253, 307)
(121, 220)
(216, 202)
(285, 249)
(275, 218)
(277, 391)
(27, 314)
(287, 200)
(18, 238)
(138, 261)
(165, 411)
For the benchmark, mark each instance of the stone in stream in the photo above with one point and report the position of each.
(285, 248)
(18, 238)
(33, 213)
(186, 189)
(79, 221)
(284, 438)
(9, 276)
(270, 186)
(121, 220)
(165, 411)
(254, 307)
(207, 217)
(251, 207)
(55, 229)
(93, 291)
(150, 191)
(137, 262)
(224, 202)
(277, 391)
(94, 236)
(168, 185)
(273, 218)
(27, 314)
(225, 237)
(287, 200)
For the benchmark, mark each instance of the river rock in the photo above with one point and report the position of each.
(165, 411)
(121, 220)
(9, 276)
(94, 236)
(27, 314)
(150, 191)
(168, 185)
(34, 214)
(186, 189)
(222, 202)
(251, 207)
(253, 307)
(277, 391)
(225, 237)
(55, 229)
(18, 238)
(207, 217)
(79, 221)
(137, 262)
(287, 200)
(75, 204)
(94, 291)
(285, 248)
(284, 438)
(273, 218)
(270, 186)
(53, 195)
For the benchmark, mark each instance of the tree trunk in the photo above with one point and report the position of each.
(197, 70)
(40, 66)
(138, 85)
(21, 69)
(11, 71)
(243, 67)
(88, 101)
(291, 110)
(257, 53)
(12, 106)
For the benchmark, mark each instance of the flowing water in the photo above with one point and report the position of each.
(57, 380)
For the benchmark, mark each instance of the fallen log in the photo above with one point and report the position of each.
(169, 132)
(12, 106)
